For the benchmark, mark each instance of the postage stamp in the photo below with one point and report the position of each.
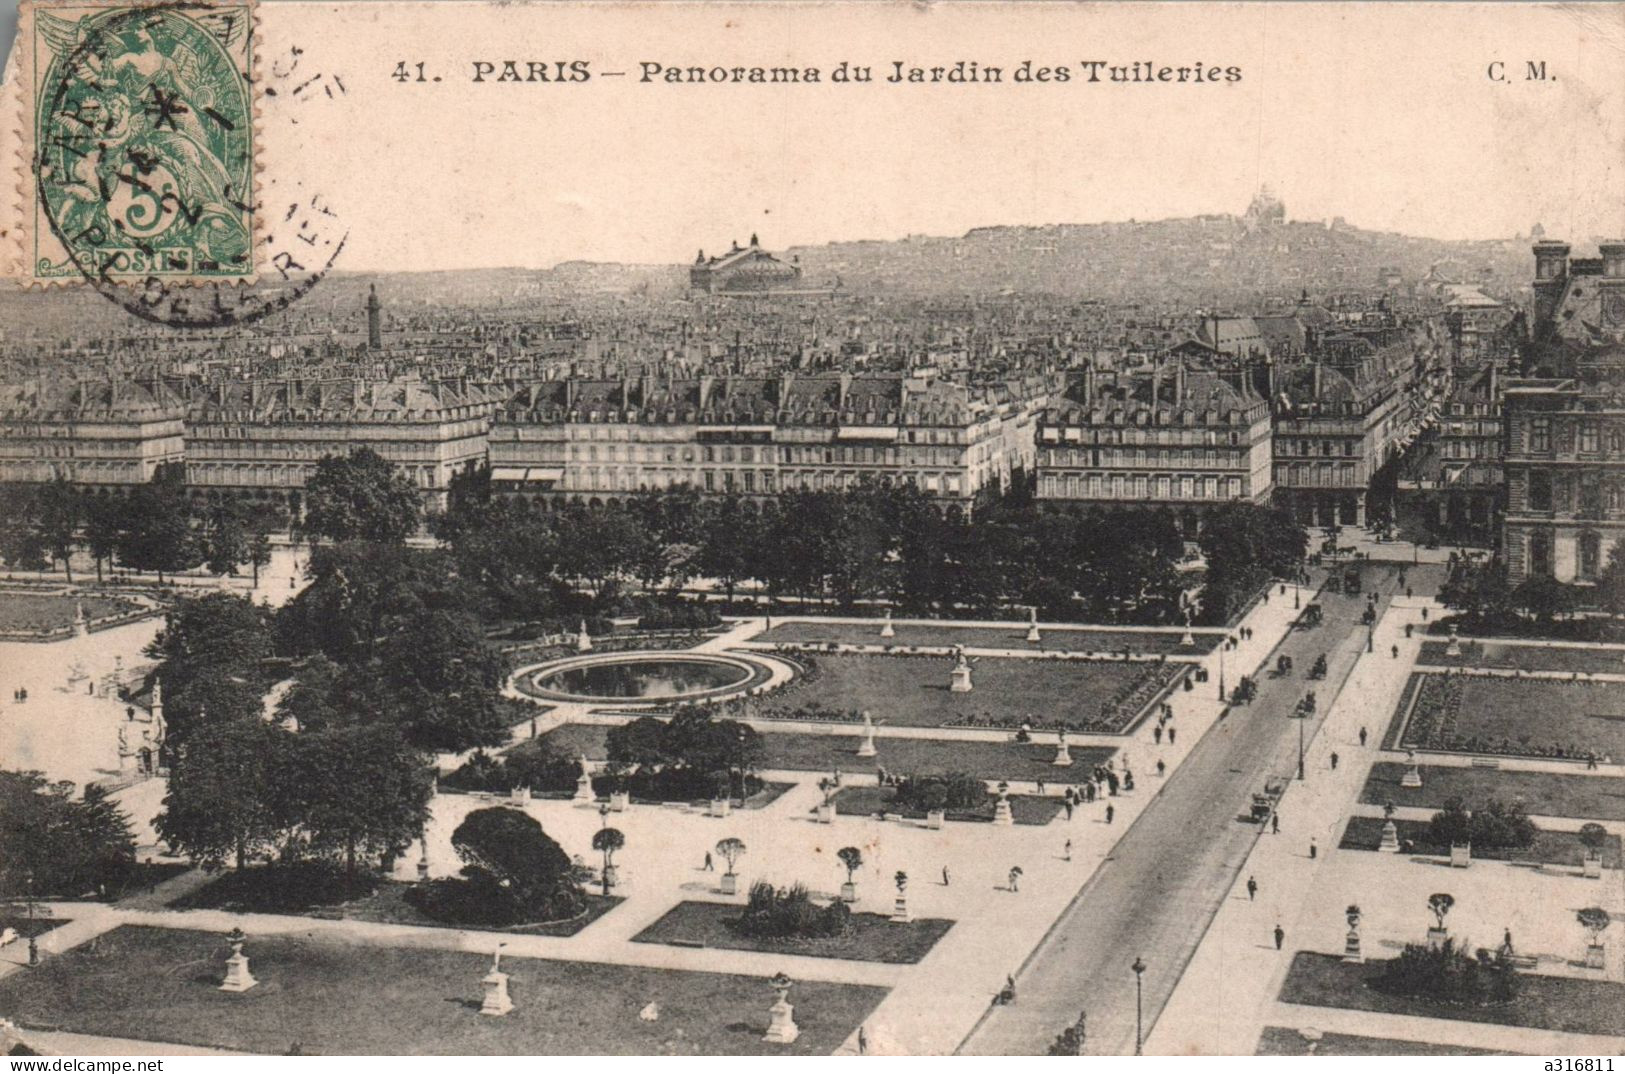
(139, 143)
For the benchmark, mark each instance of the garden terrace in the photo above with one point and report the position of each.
(163, 985)
(1014, 636)
(1099, 697)
(868, 801)
(26, 614)
(276, 889)
(1512, 656)
(869, 937)
(1561, 1004)
(1513, 717)
(1542, 794)
(1549, 847)
(903, 756)
(1278, 1040)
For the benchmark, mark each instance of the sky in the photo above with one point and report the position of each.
(1384, 114)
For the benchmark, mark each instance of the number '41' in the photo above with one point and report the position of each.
(405, 73)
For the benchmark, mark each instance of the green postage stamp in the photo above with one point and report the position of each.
(140, 142)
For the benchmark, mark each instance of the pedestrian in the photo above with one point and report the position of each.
(1506, 942)
(1407, 592)
(1334, 760)
(1395, 650)
(1109, 812)
(1156, 735)
(1362, 736)
(1424, 611)
(1015, 879)
(1067, 851)
(1040, 788)
(944, 876)
(710, 866)
(1170, 736)
(1252, 889)
(863, 1042)
(1313, 849)
(1161, 768)
(1069, 809)
(533, 727)
(1280, 936)
(1275, 825)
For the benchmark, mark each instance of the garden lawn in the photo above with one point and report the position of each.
(331, 998)
(274, 889)
(1014, 636)
(1562, 1004)
(1546, 794)
(1510, 655)
(1525, 717)
(27, 612)
(912, 691)
(1278, 1040)
(26, 928)
(867, 801)
(871, 938)
(905, 756)
(1549, 848)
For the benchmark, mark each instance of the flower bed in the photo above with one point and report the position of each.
(1458, 713)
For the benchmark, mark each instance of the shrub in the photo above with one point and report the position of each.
(515, 872)
(1447, 974)
(956, 790)
(790, 913)
(1494, 826)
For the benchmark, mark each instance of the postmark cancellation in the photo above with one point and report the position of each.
(137, 149)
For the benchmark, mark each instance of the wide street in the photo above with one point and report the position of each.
(1155, 895)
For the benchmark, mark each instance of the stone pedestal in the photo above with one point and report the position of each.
(522, 794)
(238, 977)
(1351, 947)
(583, 639)
(1412, 777)
(620, 801)
(849, 892)
(935, 818)
(729, 884)
(886, 630)
(1437, 937)
(1596, 956)
(1461, 855)
(900, 912)
(1032, 633)
(1454, 648)
(960, 682)
(1001, 813)
(866, 748)
(721, 807)
(826, 814)
(1390, 838)
(584, 791)
(496, 1002)
(1592, 866)
(81, 625)
(781, 1027)
(1063, 754)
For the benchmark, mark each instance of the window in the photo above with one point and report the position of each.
(1540, 434)
(1590, 555)
(1540, 490)
(1540, 554)
(1590, 436)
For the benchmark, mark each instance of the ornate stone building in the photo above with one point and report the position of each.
(1168, 437)
(104, 434)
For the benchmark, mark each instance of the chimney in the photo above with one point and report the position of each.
(1613, 259)
(1316, 367)
(1179, 384)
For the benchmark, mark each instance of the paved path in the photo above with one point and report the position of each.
(1154, 897)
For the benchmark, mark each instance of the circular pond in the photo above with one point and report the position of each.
(644, 677)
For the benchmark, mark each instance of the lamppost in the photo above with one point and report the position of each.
(1371, 636)
(1139, 1032)
(1222, 644)
(1301, 714)
(33, 943)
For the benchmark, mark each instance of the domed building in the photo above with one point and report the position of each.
(744, 270)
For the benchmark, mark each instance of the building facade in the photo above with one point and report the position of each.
(106, 434)
(1172, 438)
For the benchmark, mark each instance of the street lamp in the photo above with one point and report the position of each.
(1301, 713)
(1139, 1031)
(1222, 644)
(33, 942)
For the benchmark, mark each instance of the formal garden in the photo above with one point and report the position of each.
(1086, 696)
(324, 997)
(28, 613)
(1463, 713)
(1544, 794)
(1510, 656)
(789, 922)
(789, 750)
(1014, 636)
(958, 796)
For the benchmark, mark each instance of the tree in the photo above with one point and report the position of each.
(851, 860)
(61, 509)
(158, 534)
(607, 841)
(212, 652)
(361, 790)
(224, 538)
(508, 856)
(360, 497)
(1611, 583)
(441, 676)
(1594, 919)
(1593, 837)
(104, 528)
(731, 850)
(225, 797)
(727, 538)
(639, 744)
(65, 847)
(1543, 598)
(1478, 589)
(21, 542)
(1245, 545)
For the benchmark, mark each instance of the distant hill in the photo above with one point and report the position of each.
(1193, 259)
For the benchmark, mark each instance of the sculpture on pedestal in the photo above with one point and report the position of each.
(959, 682)
(781, 1027)
(238, 978)
(866, 748)
(1063, 755)
(584, 791)
(496, 1001)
